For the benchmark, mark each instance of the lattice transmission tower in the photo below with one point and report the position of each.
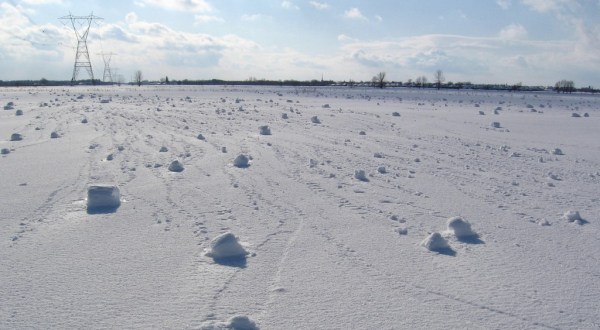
(108, 75)
(81, 26)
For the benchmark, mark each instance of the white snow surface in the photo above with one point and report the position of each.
(326, 249)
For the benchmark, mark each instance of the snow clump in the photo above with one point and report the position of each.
(315, 120)
(176, 166)
(16, 137)
(460, 228)
(5, 151)
(557, 152)
(573, 216)
(238, 322)
(265, 130)
(435, 242)
(226, 245)
(360, 175)
(496, 124)
(241, 161)
(200, 136)
(54, 135)
(103, 196)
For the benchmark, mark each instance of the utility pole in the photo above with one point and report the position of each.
(107, 76)
(81, 27)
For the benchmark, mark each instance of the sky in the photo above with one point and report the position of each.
(535, 42)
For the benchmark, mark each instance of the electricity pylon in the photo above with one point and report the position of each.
(107, 76)
(81, 27)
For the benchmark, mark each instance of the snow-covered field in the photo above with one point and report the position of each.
(362, 209)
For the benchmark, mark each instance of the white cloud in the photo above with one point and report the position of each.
(253, 17)
(545, 5)
(289, 5)
(504, 4)
(354, 13)
(43, 2)
(513, 32)
(345, 38)
(466, 58)
(195, 6)
(200, 19)
(319, 5)
(131, 18)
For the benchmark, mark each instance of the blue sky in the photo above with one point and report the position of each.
(536, 42)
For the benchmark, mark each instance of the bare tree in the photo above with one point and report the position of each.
(421, 81)
(439, 78)
(565, 86)
(379, 80)
(137, 77)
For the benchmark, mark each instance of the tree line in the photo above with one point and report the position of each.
(378, 81)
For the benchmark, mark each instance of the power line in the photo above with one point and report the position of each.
(107, 75)
(81, 26)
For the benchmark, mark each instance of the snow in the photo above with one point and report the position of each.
(239, 322)
(103, 197)
(226, 245)
(265, 130)
(435, 242)
(176, 166)
(16, 137)
(361, 175)
(460, 228)
(241, 161)
(574, 217)
(327, 250)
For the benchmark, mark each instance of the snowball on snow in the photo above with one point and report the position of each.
(241, 161)
(265, 130)
(16, 137)
(315, 120)
(103, 196)
(242, 322)
(226, 246)
(435, 242)
(238, 322)
(360, 175)
(461, 228)
(176, 166)
(572, 216)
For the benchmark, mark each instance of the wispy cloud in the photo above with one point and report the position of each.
(504, 4)
(194, 6)
(513, 32)
(354, 13)
(131, 18)
(546, 5)
(319, 5)
(253, 17)
(289, 5)
(345, 38)
(201, 19)
(43, 2)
